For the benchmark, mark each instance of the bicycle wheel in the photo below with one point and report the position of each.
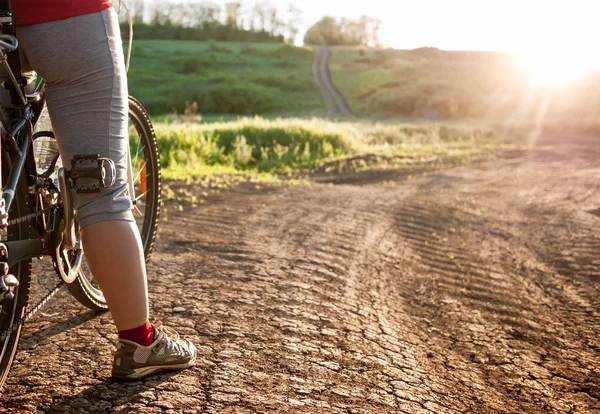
(14, 309)
(145, 162)
(145, 180)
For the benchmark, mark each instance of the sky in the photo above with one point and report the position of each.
(514, 25)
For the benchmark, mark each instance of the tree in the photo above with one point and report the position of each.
(260, 14)
(274, 21)
(371, 27)
(293, 23)
(323, 33)
(344, 32)
(160, 18)
(137, 11)
(233, 12)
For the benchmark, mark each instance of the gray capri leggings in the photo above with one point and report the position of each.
(81, 60)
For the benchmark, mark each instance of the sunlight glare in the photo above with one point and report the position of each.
(552, 66)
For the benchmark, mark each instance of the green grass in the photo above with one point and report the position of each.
(435, 84)
(267, 147)
(224, 78)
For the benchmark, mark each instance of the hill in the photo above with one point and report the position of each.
(224, 78)
(429, 83)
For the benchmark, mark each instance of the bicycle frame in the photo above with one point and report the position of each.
(18, 141)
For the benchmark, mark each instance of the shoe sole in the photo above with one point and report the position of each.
(146, 371)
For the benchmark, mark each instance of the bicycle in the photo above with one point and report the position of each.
(37, 217)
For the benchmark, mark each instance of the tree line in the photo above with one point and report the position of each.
(261, 21)
(331, 31)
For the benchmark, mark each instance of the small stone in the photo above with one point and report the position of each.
(220, 397)
(302, 391)
(330, 364)
(234, 390)
(179, 309)
(296, 403)
(162, 404)
(341, 393)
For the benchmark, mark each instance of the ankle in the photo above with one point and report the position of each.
(142, 335)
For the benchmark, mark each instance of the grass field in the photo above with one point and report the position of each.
(421, 83)
(224, 78)
(429, 83)
(292, 146)
(217, 84)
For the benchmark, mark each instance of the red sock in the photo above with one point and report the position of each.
(143, 335)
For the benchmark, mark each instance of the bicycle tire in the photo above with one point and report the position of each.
(14, 309)
(84, 288)
(143, 125)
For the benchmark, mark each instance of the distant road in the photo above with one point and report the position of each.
(336, 104)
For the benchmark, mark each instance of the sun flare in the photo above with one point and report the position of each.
(553, 66)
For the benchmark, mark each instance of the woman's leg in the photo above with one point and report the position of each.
(81, 60)
(113, 250)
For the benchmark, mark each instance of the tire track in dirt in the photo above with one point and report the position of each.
(465, 290)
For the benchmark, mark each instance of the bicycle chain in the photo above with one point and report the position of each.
(30, 216)
(16, 325)
(28, 315)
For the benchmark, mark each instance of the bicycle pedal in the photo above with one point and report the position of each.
(86, 168)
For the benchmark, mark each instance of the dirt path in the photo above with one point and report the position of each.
(335, 101)
(473, 289)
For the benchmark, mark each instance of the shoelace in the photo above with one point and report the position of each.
(171, 342)
(170, 333)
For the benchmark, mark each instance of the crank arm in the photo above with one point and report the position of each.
(20, 250)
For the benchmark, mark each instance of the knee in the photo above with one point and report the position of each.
(112, 203)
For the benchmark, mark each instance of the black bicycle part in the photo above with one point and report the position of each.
(7, 23)
(12, 310)
(91, 167)
(15, 172)
(25, 248)
(146, 206)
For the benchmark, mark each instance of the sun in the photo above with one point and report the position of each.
(555, 66)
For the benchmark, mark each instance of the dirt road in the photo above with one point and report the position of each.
(335, 101)
(472, 289)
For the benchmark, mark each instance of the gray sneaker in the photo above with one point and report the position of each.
(167, 353)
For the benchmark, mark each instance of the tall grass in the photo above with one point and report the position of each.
(286, 145)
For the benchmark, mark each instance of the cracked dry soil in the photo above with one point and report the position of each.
(468, 289)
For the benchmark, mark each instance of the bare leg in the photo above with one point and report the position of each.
(86, 92)
(114, 253)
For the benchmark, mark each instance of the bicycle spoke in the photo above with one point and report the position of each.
(139, 152)
(142, 168)
(141, 195)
